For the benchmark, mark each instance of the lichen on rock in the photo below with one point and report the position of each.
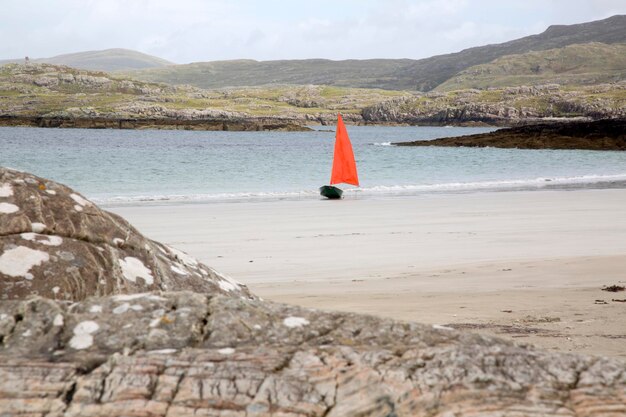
(181, 353)
(59, 239)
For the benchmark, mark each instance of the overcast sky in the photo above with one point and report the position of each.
(185, 31)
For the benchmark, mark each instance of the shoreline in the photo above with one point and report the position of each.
(349, 194)
(214, 124)
(249, 124)
(261, 123)
(555, 317)
(544, 256)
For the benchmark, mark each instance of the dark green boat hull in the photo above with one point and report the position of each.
(330, 192)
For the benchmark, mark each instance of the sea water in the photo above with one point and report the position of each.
(130, 166)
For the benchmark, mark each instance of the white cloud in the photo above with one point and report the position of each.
(201, 30)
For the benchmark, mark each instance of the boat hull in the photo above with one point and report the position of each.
(330, 192)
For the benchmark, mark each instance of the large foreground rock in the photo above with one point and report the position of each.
(91, 344)
(57, 244)
(185, 354)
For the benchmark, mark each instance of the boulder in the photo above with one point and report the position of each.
(187, 354)
(56, 243)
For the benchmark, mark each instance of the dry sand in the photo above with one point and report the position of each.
(524, 265)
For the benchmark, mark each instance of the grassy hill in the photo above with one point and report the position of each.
(579, 64)
(49, 90)
(431, 72)
(106, 60)
(371, 73)
(42, 90)
(402, 74)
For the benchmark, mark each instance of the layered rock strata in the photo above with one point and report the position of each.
(186, 354)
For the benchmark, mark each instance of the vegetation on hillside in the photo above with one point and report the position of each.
(116, 59)
(580, 64)
(370, 73)
(391, 74)
(47, 90)
(503, 106)
(53, 91)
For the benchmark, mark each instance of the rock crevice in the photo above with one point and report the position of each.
(267, 365)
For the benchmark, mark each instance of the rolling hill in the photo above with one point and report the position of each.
(117, 59)
(392, 74)
(371, 73)
(431, 72)
(579, 64)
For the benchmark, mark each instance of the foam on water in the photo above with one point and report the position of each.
(586, 181)
(525, 184)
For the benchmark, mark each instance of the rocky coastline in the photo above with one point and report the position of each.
(501, 106)
(600, 135)
(214, 124)
(48, 95)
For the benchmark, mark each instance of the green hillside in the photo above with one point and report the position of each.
(431, 72)
(580, 64)
(42, 90)
(106, 60)
(401, 74)
(371, 73)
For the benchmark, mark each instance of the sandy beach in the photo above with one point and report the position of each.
(524, 265)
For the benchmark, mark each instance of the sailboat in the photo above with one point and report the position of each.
(344, 166)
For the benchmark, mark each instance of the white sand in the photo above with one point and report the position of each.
(462, 258)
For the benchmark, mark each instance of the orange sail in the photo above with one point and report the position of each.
(344, 166)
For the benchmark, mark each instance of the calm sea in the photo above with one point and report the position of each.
(128, 166)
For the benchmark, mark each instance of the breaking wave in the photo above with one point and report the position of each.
(577, 182)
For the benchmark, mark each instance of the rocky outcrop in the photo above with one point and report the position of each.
(500, 107)
(218, 351)
(210, 124)
(48, 95)
(57, 244)
(601, 135)
(46, 75)
(184, 354)
(96, 100)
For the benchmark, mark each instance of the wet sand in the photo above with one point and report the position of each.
(524, 265)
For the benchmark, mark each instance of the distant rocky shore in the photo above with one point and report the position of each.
(54, 96)
(601, 135)
(500, 107)
(234, 124)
